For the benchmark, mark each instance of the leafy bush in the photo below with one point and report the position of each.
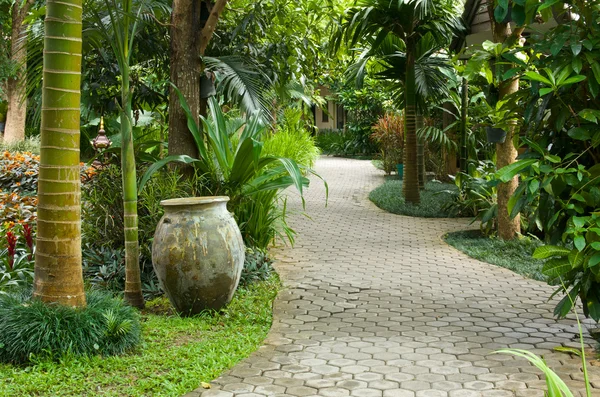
(477, 195)
(292, 140)
(233, 163)
(19, 172)
(257, 266)
(364, 107)
(335, 142)
(434, 199)
(32, 330)
(388, 133)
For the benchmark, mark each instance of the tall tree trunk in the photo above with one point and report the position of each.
(192, 26)
(421, 155)
(411, 178)
(464, 106)
(449, 155)
(16, 88)
(506, 153)
(133, 282)
(186, 66)
(58, 273)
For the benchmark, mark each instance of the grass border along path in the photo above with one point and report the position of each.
(176, 356)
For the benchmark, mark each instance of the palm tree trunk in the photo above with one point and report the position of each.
(58, 274)
(16, 88)
(421, 154)
(411, 178)
(133, 283)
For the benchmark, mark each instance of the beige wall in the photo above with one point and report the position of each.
(332, 109)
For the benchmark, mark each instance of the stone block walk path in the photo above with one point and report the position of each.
(376, 304)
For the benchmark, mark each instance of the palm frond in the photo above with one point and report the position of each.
(241, 83)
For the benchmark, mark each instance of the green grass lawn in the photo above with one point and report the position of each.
(515, 255)
(177, 353)
(434, 197)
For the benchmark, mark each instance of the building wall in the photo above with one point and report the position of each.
(333, 119)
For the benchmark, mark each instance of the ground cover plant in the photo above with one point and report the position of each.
(435, 198)
(175, 356)
(31, 330)
(515, 255)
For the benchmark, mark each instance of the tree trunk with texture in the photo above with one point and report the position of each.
(16, 88)
(506, 153)
(421, 155)
(185, 74)
(192, 26)
(449, 156)
(411, 177)
(58, 274)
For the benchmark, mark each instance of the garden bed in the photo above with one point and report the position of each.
(434, 199)
(177, 353)
(515, 255)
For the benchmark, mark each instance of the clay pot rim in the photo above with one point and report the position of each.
(194, 201)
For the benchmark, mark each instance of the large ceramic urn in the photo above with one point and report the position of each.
(198, 253)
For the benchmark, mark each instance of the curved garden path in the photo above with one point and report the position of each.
(376, 304)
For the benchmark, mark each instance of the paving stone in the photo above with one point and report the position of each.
(376, 304)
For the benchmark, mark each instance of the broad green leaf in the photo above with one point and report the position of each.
(594, 260)
(545, 91)
(507, 173)
(579, 133)
(579, 221)
(537, 77)
(596, 70)
(579, 242)
(576, 259)
(577, 65)
(547, 251)
(554, 268)
(500, 12)
(576, 48)
(573, 80)
(591, 115)
(547, 4)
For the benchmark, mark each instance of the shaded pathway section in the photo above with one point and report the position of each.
(376, 304)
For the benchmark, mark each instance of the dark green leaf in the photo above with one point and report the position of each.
(507, 173)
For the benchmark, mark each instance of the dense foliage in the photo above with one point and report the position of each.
(32, 330)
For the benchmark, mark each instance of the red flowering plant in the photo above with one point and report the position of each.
(16, 255)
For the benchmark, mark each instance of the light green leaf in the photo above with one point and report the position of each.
(547, 251)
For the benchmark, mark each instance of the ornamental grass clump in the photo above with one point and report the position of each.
(31, 330)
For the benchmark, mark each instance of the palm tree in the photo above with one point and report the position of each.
(408, 21)
(58, 273)
(116, 24)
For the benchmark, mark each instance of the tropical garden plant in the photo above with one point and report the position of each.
(406, 22)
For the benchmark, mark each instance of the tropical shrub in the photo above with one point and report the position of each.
(477, 195)
(31, 145)
(233, 163)
(336, 142)
(365, 106)
(292, 140)
(32, 330)
(388, 133)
